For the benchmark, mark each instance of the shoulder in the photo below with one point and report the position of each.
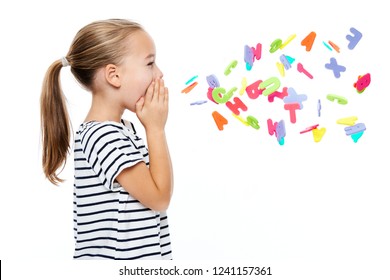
(96, 130)
(93, 132)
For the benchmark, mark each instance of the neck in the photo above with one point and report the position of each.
(103, 109)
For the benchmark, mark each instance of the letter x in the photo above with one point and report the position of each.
(335, 67)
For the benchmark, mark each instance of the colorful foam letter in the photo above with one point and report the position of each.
(189, 88)
(353, 40)
(244, 83)
(253, 90)
(253, 122)
(303, 70)
(289, 39)
(219, 120)
(232, 65)
(257, 51)
(285, 62)
(318, 134)
(362, 82)
(212, 80)
(278, 94)
(292, 107)
(271, 127)
(275, 45)
(293, 97)
(347, 121)
(238, 104)
(249, 57)
(359, 127)
(270, 85)
(335, 67)
(309, 40)
(340, 100)
(334, 46)
(220, 95)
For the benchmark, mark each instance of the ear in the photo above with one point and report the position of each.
(112, 75)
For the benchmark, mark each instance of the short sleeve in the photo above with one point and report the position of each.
(109, 148)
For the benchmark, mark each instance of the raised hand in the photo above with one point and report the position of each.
(152, 109)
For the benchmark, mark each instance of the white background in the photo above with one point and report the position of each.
(309, 209)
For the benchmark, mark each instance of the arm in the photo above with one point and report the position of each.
(152, 186)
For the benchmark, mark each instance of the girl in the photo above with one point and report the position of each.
(121, 188)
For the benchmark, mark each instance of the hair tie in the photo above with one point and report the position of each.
(64, 61)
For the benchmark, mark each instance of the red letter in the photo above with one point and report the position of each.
(253, 90)
(237, 105)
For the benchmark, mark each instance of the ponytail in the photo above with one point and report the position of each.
(55, 124)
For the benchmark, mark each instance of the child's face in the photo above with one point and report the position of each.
(138, 68)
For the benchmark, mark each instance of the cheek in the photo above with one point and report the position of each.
(145, 84)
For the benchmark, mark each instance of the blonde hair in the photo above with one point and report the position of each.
(94, 46)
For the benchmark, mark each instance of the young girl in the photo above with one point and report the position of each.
(121, 188)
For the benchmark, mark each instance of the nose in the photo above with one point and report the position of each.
(158, 73)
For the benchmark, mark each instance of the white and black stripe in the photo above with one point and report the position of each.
(108, 222)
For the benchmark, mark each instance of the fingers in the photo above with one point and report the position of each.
(156, 92)
(139, 105)
(150, 92)
(166, 94)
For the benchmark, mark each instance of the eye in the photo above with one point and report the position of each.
(151, 63)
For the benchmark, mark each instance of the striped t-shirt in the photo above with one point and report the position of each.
(108, 222)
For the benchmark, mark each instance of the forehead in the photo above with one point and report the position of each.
(141, 44)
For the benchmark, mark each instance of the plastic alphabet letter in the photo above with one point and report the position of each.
(210, 94)
(335, 67)
(334, 46)
(257, 51)
(289, 39)
(219, 120)
(359, 127)
(362, 82)
(340, 100)
(191, 80)
(293, 97)
(249, 57)
(220, 95)
(271, 127)
(253, 90)
(309, 40)
(303, 70)
(280, 130)
(238, 104)
(275, 45)
(356, 136)
(212, 80)
(270, 85)
(253, 122)
(347, 121)
(310, 128)
(327, 46)
(189, 88)
(200, 102)
(280, 68)
(292, 107)
(228, 69)
(319, 107)
(241, 119)
(285, 62)
(278, 94)
(318, 134)
(353, 40)
(244, 83)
